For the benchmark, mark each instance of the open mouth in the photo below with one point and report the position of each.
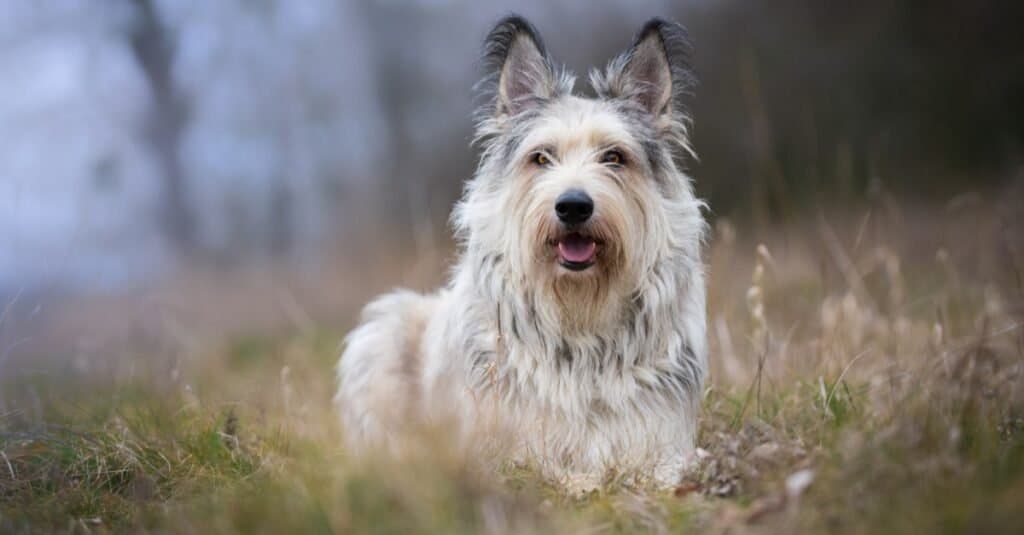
(576, 251)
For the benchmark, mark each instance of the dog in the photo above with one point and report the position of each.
(571, 335)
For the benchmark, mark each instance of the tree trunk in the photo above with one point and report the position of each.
(166, 121)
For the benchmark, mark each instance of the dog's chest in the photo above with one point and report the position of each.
(590, 376)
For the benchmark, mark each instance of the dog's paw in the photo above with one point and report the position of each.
(668, 475)
(581, 485)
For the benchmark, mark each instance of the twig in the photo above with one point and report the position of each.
(14, 476)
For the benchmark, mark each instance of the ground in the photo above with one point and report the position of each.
(866, 376)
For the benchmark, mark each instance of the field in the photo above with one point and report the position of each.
(867, 375)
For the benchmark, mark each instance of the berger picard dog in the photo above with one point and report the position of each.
(572, 331)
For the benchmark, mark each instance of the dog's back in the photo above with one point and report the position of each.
(379, 371)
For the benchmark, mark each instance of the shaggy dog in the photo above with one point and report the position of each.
(571, 336)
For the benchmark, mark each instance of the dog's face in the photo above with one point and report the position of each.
(582, 193)
(579, 193)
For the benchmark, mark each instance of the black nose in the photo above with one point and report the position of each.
(574, 207)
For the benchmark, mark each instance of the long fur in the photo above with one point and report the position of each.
(581, 374)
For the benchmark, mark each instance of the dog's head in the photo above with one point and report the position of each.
(582, 193)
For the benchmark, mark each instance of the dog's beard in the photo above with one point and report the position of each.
(585, 299)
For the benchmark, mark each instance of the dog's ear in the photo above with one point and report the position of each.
(655, 71)
(517, 65)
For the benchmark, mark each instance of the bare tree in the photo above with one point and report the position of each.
(154, 51)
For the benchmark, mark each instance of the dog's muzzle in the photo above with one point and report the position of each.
(577, 250)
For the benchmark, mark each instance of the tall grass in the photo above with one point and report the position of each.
(866, 376)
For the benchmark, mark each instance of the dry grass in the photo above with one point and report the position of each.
(867, 376)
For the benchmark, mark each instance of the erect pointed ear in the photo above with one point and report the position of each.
(655, 71)
(515, 61)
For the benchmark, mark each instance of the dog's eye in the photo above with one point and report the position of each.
(612, 157)
(541, 159)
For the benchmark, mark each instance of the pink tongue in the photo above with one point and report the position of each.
(576, 248)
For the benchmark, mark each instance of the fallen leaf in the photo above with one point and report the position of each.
(685, 489)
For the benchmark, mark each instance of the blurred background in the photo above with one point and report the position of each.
(189, 166)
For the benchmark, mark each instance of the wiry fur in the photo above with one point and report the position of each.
(581, 374)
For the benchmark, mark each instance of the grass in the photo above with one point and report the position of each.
(867, 376)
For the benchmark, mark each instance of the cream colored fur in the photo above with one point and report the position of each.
(583, 375)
